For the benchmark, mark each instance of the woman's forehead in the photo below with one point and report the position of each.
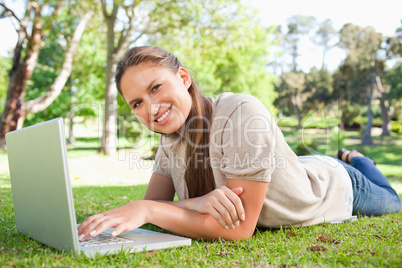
(140, 77)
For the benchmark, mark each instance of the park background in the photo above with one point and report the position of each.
(327, 80)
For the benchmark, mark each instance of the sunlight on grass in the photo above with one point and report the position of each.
(368, 242)
(390, 170)
(396, 183)
(101, 183)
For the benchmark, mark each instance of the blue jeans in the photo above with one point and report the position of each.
(372, 193)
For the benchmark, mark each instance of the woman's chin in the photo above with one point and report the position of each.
(166, 131)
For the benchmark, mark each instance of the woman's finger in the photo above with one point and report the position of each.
(226, 211)
(237, 190)
(238, 203)
(233, 204)
(96, 226)
(104, 224)
(88, 221)
(218, 217)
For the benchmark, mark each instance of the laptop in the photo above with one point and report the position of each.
(43, 198)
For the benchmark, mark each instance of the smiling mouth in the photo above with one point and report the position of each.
(168, 111)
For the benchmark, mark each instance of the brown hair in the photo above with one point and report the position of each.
(198, 176)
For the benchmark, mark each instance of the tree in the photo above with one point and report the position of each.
(363, 45)
(298, 25)
(5, 65)
(232, 50)
(35, 25)
(319, 84)
(324, 35)
(86, 86)
(394, 82)
(277, 52)
(291, 89)
(127, 22)
(393, 49)
(84, 89)
(385, 105)
(346, 89)
(171, 22)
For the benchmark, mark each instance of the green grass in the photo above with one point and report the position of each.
(386, 151)
(369, 242)
(374, 241)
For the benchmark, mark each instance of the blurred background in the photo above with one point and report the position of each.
(330, 72)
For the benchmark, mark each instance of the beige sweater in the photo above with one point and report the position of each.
(246, 144)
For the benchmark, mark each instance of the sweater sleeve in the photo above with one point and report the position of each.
(248, 142)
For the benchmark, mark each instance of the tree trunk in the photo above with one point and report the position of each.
(342, 109)
(367, 140)
(386, 108)
(42, 102)
(296, 103)
(109, 136)
(16, 109)
(21, 71)
(294, 58)
(324, 53)
(71, 137)
(299, 117)
(114, 53)
(386, 114)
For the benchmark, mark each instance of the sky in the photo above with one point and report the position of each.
(384, 16)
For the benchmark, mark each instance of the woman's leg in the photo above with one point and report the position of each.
(372, 193)
(366, 166)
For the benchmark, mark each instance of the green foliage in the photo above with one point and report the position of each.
(49, 63)
(291, 92)
(5, 65)
(88, 75)
(394, 80)
(336, 138)
(132, 130)
(225, 49)
(396, 126)
(290, 121)
(349, 114)
(85, 86)
(319, 84)
(306, 147)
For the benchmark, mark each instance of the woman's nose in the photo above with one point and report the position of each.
(154, 108)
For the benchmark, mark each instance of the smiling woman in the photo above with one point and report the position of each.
(220, 154)
(153, 100)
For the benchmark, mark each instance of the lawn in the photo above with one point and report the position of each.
(101, 183)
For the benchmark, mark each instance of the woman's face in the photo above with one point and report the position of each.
(158, 97)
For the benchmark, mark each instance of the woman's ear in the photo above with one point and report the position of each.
(185, 76)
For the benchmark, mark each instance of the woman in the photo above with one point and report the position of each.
(229, 164)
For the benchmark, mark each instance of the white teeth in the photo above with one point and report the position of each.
(163, 116)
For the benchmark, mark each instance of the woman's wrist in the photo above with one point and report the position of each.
(149, 209)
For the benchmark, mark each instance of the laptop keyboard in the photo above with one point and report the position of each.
(103, 239)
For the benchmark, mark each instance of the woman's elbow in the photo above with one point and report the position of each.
(238, 234)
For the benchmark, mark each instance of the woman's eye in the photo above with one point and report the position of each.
(155, 88)
(137, 104)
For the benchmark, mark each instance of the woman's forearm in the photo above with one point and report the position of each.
(192, 224)
(185, 203)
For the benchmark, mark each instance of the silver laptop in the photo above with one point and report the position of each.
(43, 199)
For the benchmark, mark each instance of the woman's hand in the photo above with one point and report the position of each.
(223, 204)
(124, 218)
